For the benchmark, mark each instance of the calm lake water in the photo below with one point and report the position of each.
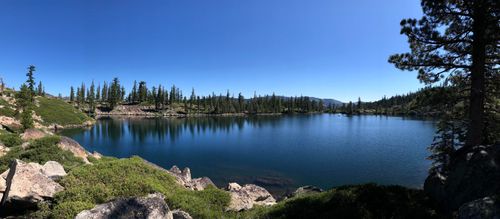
(277, 152)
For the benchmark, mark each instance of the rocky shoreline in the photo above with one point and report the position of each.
(24, 185)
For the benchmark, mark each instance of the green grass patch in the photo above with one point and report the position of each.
(56, 111)
(41, 151)
(362, 201)
(109, 178)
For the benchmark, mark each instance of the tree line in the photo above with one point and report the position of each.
(110, 95)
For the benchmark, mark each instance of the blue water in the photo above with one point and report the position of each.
(277, 152)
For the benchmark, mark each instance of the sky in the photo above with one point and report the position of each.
(322, 48)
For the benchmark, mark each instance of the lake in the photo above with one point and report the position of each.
(279, 153)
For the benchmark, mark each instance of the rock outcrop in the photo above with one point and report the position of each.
(245, 197)
(33, 134)
(184, 178)
(472, 176)
(484, 208)
(152, 206)
(74, 147)
(29, 183)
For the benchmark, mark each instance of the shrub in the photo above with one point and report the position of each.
(40, 151)
(10, 139)
(362, 201)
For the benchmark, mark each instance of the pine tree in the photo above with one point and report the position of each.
(457, 41)
(98, 93)
(143, 92)
(40, 91)
(114, 93)
(72, 94)
(31, 81)
(24, 104)
(134, 98)
(91, 98)
(104, 93)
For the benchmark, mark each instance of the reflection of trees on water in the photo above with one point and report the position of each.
(162, 129)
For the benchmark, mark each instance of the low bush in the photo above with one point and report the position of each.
(10, 139)
(40, 151)
(361, 201)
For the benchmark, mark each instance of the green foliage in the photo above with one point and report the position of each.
(31, 81)
(110, 178)
(6, 109)
(10, 139)
(56, 111)
(362, 201)
(40, 151)
(27, 118)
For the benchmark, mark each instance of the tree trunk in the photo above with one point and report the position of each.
(475, 132)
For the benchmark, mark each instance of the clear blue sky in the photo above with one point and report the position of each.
(323, 48)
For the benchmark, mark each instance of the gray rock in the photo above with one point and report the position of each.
(27, 183)
(245, 197)
(53, 170)
(152, 206)
(74, 147)
(179, 214)
(184, 178)
(485, 208)
(199, 184)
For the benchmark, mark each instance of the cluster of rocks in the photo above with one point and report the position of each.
(26, 184)
(184, 178)
(472, 185)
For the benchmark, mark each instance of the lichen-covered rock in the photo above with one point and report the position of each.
(74, 147)
(152, 206)
(484, 208)
(33, 134)
(179, 214)
(245, 197)
(27, 182)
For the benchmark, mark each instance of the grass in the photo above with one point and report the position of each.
(361, 201)
(41, 151)
(107, 179)
(56, 111)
